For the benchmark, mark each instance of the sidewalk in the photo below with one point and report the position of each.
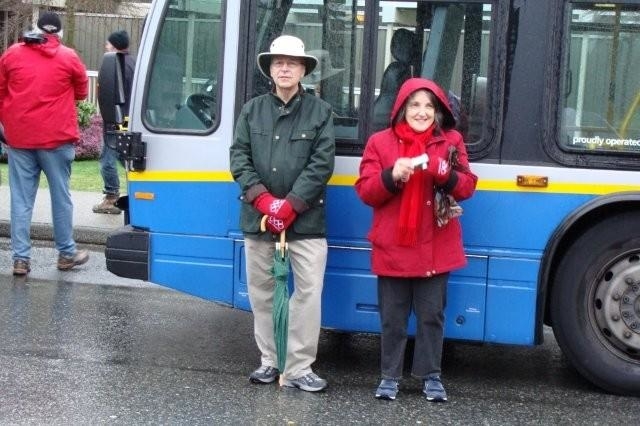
(88, 227)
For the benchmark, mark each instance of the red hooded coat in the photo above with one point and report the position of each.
(439, 249)
(39, 84)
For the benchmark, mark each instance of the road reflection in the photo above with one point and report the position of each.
(79, 353)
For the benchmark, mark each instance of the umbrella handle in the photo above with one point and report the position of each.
(283, 244)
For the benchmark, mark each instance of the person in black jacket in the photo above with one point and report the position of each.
(117, 41)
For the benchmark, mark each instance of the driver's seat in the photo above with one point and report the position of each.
(403, 45)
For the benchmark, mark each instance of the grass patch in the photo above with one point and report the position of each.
(85, 176)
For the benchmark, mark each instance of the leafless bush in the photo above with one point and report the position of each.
(16, 16)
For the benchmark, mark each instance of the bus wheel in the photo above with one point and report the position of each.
(595, 304)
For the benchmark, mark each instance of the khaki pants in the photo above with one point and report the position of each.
(308, 262)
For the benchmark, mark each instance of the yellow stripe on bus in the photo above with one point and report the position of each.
(180, 176)
(555, 188)
(350, 180)
(211, 176)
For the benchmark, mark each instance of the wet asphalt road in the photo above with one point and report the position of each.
(86, 347)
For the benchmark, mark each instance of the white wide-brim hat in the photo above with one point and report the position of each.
(286, 45)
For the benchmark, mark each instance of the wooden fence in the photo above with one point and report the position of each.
(91, 32)
(93, 87)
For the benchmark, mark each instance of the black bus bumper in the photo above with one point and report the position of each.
(127, 253)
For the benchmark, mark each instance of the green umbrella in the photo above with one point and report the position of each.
(280, 271)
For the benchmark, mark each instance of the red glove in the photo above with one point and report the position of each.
(276, 225)
(439, 168)
(272, 206)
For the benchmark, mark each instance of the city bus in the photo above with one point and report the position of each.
(545, 92)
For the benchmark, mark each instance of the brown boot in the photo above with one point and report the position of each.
(107, 205)
(21, 267)
(80, 258)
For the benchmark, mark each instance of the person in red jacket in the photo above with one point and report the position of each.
(40, 82)
(412, 174)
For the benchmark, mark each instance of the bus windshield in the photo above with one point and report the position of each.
(444, 41)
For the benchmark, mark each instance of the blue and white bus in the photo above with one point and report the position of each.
(547, 95)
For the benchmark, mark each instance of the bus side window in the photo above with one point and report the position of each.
(448, 43)
(477, 107)
(182, 91)
(332, 32)
(402, 50)
(600, 112)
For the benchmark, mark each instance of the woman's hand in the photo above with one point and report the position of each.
(440, 169)
(402, 170)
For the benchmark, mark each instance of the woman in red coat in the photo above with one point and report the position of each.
(412, 174)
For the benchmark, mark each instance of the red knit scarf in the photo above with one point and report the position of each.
(412, 144)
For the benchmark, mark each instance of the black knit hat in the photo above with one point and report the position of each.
(49, 22)
(119, 39)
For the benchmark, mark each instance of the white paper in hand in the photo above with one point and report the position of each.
(420, 161)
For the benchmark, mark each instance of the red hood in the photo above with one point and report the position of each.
(413, 84)
(50, 48)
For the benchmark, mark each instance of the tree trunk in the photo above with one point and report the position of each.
(70, 24)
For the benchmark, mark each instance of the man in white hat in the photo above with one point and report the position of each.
(282, 157)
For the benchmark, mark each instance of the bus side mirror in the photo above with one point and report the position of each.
(111, 88)
(132, 149)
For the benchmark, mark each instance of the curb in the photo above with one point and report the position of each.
(44, 231)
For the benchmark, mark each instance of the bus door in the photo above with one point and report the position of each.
(366, 49)
(180, 206)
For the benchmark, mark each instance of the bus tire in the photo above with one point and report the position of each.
(595, 304)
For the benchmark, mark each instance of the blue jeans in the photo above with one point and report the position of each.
(25, 166)
(109, 159)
